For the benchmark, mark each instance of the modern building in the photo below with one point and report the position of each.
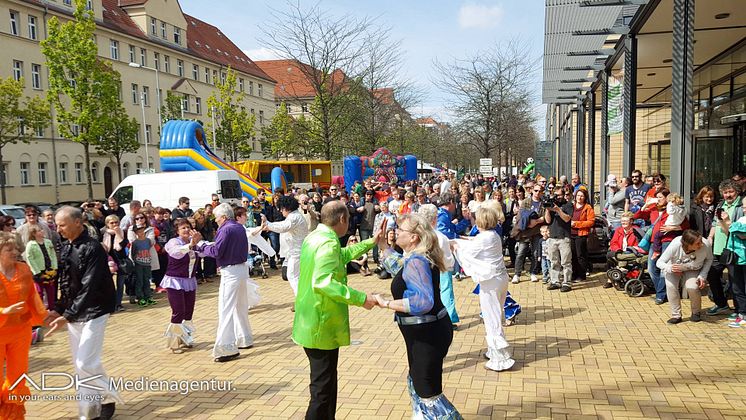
(655, 85)
(157, 49)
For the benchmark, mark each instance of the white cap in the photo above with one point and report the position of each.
(611, 180)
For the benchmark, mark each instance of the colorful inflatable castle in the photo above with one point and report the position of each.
(382, 165)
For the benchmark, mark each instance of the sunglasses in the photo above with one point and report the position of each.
(139, 218)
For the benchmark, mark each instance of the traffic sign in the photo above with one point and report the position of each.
(485, 170)
(485, 162)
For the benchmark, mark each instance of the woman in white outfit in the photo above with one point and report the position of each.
(687, 259)
(481, 258)
(295, 229)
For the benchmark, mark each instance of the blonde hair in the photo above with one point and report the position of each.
(9, 239)
(428, 246)
(487, 218)
(111, 218)
(498, 208)
(675, 199)
(31, 234)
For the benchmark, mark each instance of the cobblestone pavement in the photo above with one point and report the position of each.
(592, 353)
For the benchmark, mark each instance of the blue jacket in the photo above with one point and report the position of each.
(446, 226)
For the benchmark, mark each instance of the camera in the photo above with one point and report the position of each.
(548, 201)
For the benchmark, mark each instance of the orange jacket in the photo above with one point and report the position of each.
(21, 289)
(585, 222)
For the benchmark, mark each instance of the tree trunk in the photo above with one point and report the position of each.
(118, 158)
(2, 177)
(87, 156)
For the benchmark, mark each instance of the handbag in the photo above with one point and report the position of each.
(727, 257)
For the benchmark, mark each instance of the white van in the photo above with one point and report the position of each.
(165, 188)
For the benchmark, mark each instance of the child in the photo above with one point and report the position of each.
(545, 262)
(140, 254)
(676, 215)
(482, 259)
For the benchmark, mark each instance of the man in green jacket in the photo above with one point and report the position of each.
(322, 322)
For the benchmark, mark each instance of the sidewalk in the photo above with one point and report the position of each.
(592, 353)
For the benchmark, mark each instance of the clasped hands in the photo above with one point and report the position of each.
(371, 301)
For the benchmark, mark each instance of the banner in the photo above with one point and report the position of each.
(615, 110)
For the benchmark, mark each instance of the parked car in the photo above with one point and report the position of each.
(40, 205)
(15, 212)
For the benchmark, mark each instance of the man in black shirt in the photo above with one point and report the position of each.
(182, 211)
(559, 246)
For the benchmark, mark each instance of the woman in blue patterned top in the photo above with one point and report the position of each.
(422, 318)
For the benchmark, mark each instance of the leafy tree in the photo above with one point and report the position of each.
(19, 117)
(83, 88)
(234, 127)
(280, 135)
(171, 109)
(119, 137)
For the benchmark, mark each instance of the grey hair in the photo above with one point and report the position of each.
(73, 213)
(223, 209)
(429, 212)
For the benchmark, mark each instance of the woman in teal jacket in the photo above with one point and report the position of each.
(42, 259)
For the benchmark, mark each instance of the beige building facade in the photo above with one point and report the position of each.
(190, 56)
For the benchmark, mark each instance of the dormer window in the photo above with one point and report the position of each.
(177, 35)
(163, 30)
(153, 28)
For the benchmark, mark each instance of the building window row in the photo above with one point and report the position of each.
(160, 29)
(15, 25)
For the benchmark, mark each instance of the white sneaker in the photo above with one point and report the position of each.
(534, 278)
(516, 279)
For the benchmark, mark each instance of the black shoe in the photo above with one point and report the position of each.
(674, 320)
(696, 317)
(119, 308)
(553, 286)
(246, 347)
(608, 285)
(661, 302)
(565, 288)
(107, 411)
(383, 275)
(133, 300)
(454, 327)
(223, 359)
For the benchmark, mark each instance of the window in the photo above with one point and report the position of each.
(143, 56)
(67, 2)
(261, 117)
(180, 68)
(89, 5)
(251, 87)
(75, 130)
(17, 70)
(125, 169)
(94, 172)
(114, 49)
(177, 35)
(185, 103)
(240, 85)
(146, 95)
(62, 172)
(157, 61)
(32, 27)
(252, 111)
(43, 173)
(25, 176)
(222, 77)
(147, 133)
(36, 76)
(163, 30)
(198, 105)
(214, 76)
(135, 94)
(14, 30)
(39, 131)
(195, 72)
(259, 89)
(78, 173)
(167, 64)
(207, 75)
(152, 26)
(304, 107)
(138, 169)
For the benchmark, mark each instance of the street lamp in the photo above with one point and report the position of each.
(157, 92)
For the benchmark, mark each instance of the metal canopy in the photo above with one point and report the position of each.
(573, 33)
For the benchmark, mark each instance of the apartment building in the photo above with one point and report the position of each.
(157, 49)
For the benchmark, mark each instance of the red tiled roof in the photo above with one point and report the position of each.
(385, 95)
(292, 81)
(426, 121)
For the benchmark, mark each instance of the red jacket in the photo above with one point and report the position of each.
(617, 239)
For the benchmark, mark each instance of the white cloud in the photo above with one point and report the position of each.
(259, 54)
(479, 16)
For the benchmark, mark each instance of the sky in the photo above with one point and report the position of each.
(429, 30)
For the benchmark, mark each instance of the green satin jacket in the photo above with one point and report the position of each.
(321, 316)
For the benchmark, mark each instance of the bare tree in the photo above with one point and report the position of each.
(327, 51)
(492, 99)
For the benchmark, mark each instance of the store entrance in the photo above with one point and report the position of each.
(714, 155)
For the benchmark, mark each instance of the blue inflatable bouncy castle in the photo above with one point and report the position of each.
(382, 165)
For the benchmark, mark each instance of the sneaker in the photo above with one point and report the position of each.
(516, 279)
(119, 308)
(534, 279)
(151, 301)
(553, 286)
(142, 302)
(696, 317)
(733, 316)
(545, 281)
(738, 323)
(660, 301)
(565, 288)
(716, 310)
(674, 320)
(133, 300)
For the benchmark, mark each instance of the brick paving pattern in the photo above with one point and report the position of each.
(593, 353)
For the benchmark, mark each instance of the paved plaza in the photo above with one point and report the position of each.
(593, 353)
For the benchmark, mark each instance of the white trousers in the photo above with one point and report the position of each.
(233, 311)
(492, 296)
(292, 262)
(87, 345)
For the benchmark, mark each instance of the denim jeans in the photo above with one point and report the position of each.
(531, 249)
(274, 240)
(655, 273)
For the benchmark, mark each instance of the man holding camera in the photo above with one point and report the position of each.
(558, 214)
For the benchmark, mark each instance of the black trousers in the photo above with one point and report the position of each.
(323, 404)
(714, 277)
(427, 346)
(579, 256)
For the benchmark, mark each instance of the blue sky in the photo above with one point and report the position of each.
(429, 30)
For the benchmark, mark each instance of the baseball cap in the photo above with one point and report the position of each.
(611, 180)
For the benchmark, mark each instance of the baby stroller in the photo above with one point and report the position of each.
(629, 274)
(256, 263)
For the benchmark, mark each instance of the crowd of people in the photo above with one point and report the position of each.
(74, 266)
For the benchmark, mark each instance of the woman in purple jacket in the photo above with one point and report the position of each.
(180, 282)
